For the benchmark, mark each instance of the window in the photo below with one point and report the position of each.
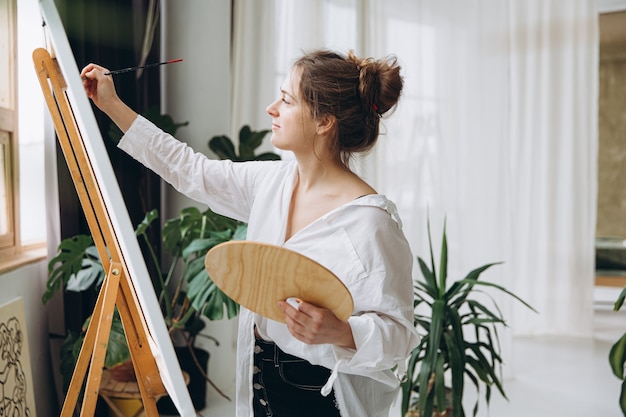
(22, 191)
(8, 118)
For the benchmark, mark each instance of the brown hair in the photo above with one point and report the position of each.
(356, 91)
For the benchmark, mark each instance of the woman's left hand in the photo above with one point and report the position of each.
(316, 325)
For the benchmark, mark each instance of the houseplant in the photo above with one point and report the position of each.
(185, 291)
(617, 356)
(186, 238)
(459, 339)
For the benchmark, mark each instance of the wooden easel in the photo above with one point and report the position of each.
(117, 289)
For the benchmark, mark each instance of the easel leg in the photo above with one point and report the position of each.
(148, 379)
(94, 348)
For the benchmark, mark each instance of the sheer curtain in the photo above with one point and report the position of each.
(495, 132)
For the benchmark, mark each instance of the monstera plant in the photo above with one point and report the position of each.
(185, 291)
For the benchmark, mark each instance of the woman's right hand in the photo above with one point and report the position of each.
(99, 87)
(101, 90)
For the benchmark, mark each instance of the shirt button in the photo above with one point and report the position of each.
(257, 386)
(256, 370)
(263, 402)
(257, 349)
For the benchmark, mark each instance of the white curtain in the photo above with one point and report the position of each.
(553, 161)
(495, 132)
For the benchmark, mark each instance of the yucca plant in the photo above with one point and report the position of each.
(459, 339)
(617, 356)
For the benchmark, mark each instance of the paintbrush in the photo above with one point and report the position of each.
(130, 69)
(123, 70)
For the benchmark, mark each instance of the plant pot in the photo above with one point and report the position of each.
(197, 383)
(128, 407)
(413, 407)
(415, 413)
(124, 372)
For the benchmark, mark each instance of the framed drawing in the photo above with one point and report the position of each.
(75, 123)
(16, 381)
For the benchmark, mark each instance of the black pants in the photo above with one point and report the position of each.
(287, 386)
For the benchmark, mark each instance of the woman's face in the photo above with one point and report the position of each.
(293, 127)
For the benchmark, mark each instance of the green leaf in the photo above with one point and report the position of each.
(622, 398)
(145, 224)
(251, 139)
(223, 147)
(443, 263)
(431, 356)
(267, 156)
(490, 316)
(499, 287)
(432, 254)
(240, 232)
(455, 346)
(469, 281)
(67, 263)
(617, 357)
(486, 372)
(199, 247)
(117, 348)
(430, 284)
(91, 274)
(439, 386)
(205, 296)
(620, 300)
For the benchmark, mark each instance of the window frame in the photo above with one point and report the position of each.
(13, 253)
(8, 125)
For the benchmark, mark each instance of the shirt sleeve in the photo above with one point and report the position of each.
(227, 187)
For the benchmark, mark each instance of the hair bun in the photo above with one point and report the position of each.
(380, 82)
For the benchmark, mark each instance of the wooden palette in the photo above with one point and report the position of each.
(258, 275)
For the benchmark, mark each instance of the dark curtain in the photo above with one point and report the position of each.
(110, 33)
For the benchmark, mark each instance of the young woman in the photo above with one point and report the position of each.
(328, 110)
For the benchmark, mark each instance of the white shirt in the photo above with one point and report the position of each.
(361, 242)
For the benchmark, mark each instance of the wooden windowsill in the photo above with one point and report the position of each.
(24, 257)
(606, 280)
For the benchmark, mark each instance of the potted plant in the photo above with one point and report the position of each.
(459, 340)
(186, 238)
(185, 291)
(617, 356)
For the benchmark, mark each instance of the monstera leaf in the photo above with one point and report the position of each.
(76, 266)
(249, 141)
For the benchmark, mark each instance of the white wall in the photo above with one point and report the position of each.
(28, 282)
(198, 90)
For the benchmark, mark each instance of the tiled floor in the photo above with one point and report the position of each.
(554, 376)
